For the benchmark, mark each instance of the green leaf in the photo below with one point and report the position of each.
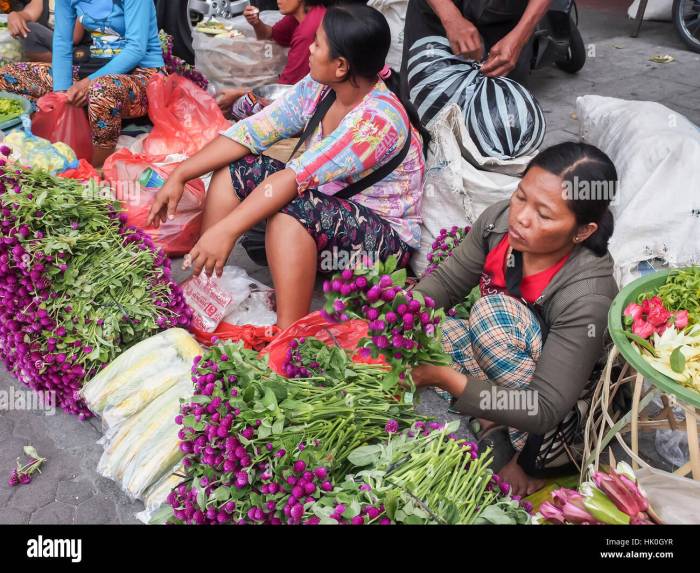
(31, 452)
(264, 431)
(604, 510)
(391, 504)
(677, 360)
(399, 277)
(495, 515)
(269, 401)
(221, 494)
(641, 342)
(365, 455)
(413, 520)
(278, 426)
(161, 515)
(452, 427)
(390, 265)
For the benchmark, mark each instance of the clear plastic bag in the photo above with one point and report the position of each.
(242, 61)
(10, 49)
(144, 447)
(234, 297)
(38, 153)
(156, 495)
(139, 375)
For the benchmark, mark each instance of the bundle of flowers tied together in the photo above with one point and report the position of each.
(77, 287)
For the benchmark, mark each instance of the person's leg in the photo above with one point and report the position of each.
(38, 45)
(221, 199)
(30, 79)
(111, 99)
(291, 254)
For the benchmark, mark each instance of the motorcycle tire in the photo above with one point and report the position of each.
(577, 52)
(681, 25)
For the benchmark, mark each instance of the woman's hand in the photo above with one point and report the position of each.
(78, 93)
(211, 251)
(252, 15)
(443, 377)
(17, 25)
(228, 97)
(165, 203)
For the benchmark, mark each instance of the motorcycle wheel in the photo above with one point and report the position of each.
(688, 28)
(577, 52)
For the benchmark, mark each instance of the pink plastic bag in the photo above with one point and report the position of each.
(176, 236)
(57, 120)
(185, 118)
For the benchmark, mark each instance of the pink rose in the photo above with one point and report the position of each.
(633, 310)
(642, 328)
(680, 319)
(658, 315)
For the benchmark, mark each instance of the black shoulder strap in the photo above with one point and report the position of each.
(514, 276)
(320, 112)
(371, 179)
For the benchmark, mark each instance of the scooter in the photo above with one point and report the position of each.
(557, 39)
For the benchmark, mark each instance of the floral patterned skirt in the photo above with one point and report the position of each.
(345, 233)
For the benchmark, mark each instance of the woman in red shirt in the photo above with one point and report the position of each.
(296, 31)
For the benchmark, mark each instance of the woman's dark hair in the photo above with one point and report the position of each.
(362, 36)
(590, 184)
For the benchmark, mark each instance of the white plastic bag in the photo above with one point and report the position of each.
(144, 447)
(675, 499)
(10, 49)
(656, 152)
(242, 61)
(156, 495)
(233, 297)
(660, 10)
(456, 191)
(139, 375)
(395, 13)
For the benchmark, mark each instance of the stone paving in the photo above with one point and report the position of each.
(69, 490)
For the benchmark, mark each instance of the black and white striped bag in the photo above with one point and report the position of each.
(503, 118)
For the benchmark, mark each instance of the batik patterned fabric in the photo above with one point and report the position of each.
(504, 119)
(339, 227)
(367, 138)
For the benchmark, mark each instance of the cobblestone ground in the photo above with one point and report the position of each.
(69, 490)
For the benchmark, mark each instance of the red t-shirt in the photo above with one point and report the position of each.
(298, 36)
(493, 279)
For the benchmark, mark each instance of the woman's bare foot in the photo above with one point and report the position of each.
(520, 483)
(485, 424)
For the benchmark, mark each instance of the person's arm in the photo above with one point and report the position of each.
(62, 58)
(462, 34)
(252, 16)
(283, 118)
(137, 18)
(33, 11)
(450, 283)
(573, 346)
(504, 54)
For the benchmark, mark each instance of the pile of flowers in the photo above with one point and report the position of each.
(664, 326)
(260, 448)
(175, 65)
(613, 498)
(22, 475)
(404, 326)
(76, 286)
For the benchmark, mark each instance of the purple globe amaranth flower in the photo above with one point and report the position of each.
(338, 305)
(347, 275)
(392, 426)
(374, 293)
(385, 281)
(372, 314)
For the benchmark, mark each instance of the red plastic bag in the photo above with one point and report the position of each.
(346, 334)
(84, 172)
(57, 120)
(253, 337)
(185, 118)
(176, 236)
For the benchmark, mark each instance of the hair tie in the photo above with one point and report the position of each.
(385, 72)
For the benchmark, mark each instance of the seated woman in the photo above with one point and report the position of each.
(125, 41)
(365, 129)
(296, 31)
(523, 359)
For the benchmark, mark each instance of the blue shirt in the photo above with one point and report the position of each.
(125, 32)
